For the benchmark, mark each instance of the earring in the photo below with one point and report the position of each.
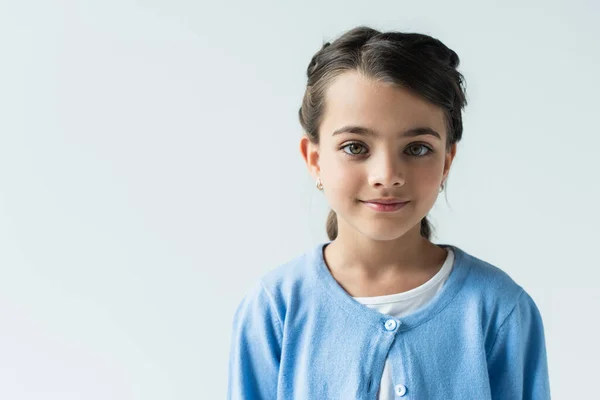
(441, 188)
(319, 184)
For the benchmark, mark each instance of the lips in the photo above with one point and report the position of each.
(386, 201)
(385, 207)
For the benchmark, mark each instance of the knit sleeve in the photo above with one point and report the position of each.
(517, 362)
(255, 348)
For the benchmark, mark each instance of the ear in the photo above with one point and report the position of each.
(450, 154)
(310, 154)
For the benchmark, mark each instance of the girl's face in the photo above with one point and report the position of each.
(379, 141)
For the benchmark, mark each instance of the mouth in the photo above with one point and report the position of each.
(385, 205)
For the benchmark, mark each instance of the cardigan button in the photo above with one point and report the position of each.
(391, 324)
(400, 390)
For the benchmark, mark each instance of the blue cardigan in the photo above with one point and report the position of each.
(297, 334)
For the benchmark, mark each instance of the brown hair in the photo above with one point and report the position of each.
(414, 61)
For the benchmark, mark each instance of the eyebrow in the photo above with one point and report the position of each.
(360, 130)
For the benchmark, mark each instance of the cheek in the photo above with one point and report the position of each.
(427, 181)
(428, 175)
(342, 176)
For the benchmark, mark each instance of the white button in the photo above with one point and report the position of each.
(400, 390)
(390, 324)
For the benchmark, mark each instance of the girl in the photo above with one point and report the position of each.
(379, 311)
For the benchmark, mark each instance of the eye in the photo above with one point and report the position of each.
(419, 147)
(354, 147)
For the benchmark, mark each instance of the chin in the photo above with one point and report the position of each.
(380, 227)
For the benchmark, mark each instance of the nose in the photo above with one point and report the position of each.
(386, 171)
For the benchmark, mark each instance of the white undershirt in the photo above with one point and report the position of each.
(401, 304)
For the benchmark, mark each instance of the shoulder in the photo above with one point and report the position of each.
(297, 271)
(483, 274)
(292, 279)
(494, 289)
(493, 295)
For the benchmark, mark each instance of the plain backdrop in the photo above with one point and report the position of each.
(150, 174)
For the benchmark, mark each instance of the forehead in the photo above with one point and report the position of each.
(355, 99)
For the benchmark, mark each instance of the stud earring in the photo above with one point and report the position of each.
(319, 184)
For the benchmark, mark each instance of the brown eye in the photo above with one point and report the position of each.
(354, 148)
(418, 147)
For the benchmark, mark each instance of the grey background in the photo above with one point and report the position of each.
(150, 173)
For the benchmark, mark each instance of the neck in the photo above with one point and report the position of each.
(354, 252)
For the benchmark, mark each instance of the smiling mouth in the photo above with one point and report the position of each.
(385, 207)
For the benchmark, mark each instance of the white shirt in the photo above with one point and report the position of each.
(401, 304)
